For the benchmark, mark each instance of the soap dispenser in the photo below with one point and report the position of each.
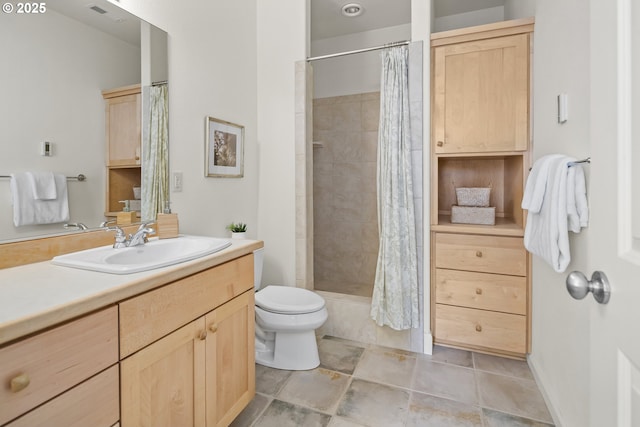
(126, 217)
(167, 223)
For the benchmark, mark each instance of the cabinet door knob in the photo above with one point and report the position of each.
(479, 291)
(213, 327)
(479, 328)
(19, 383)
(202, 335)
(439, 143)
(479, 254)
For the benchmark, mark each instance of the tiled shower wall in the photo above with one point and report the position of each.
(345, 135)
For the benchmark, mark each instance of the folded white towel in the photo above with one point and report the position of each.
(44, 185)
(555, 196)
(27, 210)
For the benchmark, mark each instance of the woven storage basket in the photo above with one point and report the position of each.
(473, 215)
(473, 196)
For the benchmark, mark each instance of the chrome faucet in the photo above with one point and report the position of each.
(78, 225)
(137, 239)
(140, 237)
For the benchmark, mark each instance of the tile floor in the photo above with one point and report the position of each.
(365, 385)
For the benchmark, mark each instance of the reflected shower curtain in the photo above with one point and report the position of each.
(155, 165)
(395, 291)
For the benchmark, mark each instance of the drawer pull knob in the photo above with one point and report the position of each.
(19, 383)
(202, 335)
(479, 254)
(440, 143)
(479, 328)
(213, 328)
(479, 291)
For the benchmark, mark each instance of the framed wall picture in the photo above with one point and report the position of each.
(224, 149)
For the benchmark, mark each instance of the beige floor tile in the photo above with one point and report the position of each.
(502, 366)
(386, 366)
(452, 356)
(339, 356)
(269, 381)
(284, 414)
(450, 381)
(252, 411)
(426, 410)
(319, 389)
(512, 395)
(374, 404)
(500, 419)
(343, 422)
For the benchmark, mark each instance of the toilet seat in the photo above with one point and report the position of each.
(288, 300)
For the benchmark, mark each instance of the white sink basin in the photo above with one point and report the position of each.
(154, 254)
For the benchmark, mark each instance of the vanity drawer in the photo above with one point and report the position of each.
(488, 329)
(148, 317)
(93, 403)
(45, 365)
(488, 254)
(482, 290)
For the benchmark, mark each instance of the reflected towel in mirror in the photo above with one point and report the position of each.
(27, 210)
(44, 185)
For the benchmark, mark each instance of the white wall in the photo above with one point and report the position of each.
(352, 74)
(212, 72)
(514, 9)
(560, 356)
(469, 19)
(53, 71)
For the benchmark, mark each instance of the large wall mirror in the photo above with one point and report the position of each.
(55, 66)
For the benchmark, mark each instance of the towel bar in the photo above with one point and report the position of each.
(80, 177)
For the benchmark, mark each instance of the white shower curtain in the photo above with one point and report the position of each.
(395, 291)
(155, 165)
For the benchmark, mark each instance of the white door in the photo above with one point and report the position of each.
(615, 212)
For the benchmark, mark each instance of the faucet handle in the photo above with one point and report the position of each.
(104, 224)
(121, 237)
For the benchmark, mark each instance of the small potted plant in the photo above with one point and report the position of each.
(238, 230)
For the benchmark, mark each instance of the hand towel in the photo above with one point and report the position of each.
(27, 210)
(555, 197)
(44, 185)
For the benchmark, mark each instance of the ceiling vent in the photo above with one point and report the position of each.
(100, 10)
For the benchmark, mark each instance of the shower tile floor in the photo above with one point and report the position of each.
(366, 385)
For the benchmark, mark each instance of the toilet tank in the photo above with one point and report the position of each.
(258, 258)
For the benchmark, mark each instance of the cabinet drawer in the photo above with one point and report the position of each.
(488, 254)
(93, 403)
(482, 290)
(56, 360)
(148, 317)
(488, 329)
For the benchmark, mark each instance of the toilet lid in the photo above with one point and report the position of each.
(288, 300)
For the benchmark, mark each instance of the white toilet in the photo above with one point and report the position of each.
(286, 319)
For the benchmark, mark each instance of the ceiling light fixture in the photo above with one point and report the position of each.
(351, 10)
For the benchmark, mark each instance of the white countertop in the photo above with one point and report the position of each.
(40, 295)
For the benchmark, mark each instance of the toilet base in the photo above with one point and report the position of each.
(293, 351)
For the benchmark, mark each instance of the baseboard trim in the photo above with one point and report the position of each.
(547, 400)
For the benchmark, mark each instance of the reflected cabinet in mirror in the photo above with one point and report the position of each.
(56, 65)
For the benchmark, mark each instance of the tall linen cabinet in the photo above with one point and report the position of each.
(480, 124)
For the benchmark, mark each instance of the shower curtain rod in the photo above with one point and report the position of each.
(366, 49)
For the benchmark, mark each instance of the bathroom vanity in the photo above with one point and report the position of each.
(166, 347)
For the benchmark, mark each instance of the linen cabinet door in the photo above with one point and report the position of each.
(481, 96)
(230, 360)
(163, 385)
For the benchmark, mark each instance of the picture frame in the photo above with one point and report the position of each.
(224, 149)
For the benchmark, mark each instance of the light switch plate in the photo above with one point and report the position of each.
(176, 182)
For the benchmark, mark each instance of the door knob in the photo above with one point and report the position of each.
(578, 286)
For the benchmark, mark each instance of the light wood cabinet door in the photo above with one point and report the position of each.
(163, 385)
(230, 359)
(481, 95)
(123, 130)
